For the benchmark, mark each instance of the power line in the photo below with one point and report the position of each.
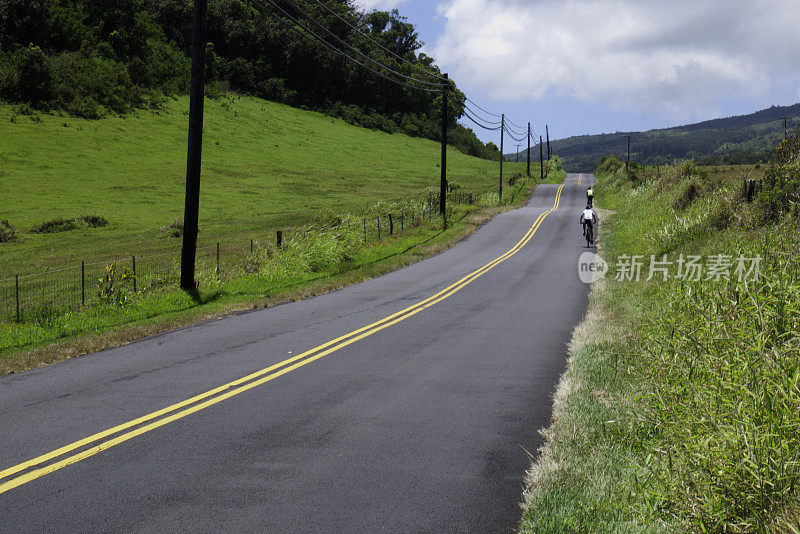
(495, 129)
(467, 115)
(471, 114)
(483, 121)
(346, 55)
(480, 108)
(517, 129)
(487, 121)
(515, 124)
(519, 139)
(421, 69)
(513, 130)
(345, 43)
(510, 126)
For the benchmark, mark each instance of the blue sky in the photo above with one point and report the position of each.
(600, 66)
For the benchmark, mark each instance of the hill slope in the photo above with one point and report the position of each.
(265, 166)
(732, 140)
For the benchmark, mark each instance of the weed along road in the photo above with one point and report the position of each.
(408, 403)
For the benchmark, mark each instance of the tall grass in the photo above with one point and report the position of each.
(683, 407)
(724, 398)
(315, 249)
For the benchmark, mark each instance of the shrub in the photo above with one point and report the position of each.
(8, 234)
(65, 225)
(781, 185)
(489, 199)
(688, 194)
(115, 286)
(722, 214)
(555, 164)
(175, 229)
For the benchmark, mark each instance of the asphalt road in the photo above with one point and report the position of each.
(421, 424)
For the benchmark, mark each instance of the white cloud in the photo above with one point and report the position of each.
(677, 58)
(369, 5)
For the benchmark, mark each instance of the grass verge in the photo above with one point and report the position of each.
(680, 408)
(330, 261)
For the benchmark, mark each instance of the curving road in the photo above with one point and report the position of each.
(300, 419)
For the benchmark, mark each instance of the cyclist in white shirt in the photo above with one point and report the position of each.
(588, 218)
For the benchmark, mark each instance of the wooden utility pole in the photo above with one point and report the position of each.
(193, 160)
(443, 182)
(529, 150)
(541, 158)
(502, 157)
(784, 127)
(628, 160)
(547, 131)
(517, 147)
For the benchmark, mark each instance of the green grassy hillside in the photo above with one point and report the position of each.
(265, 166)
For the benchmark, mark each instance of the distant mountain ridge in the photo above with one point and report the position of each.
(732, 140)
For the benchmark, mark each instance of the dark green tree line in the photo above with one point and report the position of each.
(92, 57)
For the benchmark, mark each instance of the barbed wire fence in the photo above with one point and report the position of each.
(38, 296)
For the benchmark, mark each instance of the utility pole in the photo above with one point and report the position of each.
(784, 127)
(547, 131)
(502, 157)
(541, 158)
(443, 183)
(193, 159)
(628, 160)
(517, 147)
(529, 150)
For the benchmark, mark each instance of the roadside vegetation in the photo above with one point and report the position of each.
(95, 58)
(266, 167)
(116, 191)
(322, 256)
(680, 408)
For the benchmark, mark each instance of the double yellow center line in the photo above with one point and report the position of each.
(40, 466)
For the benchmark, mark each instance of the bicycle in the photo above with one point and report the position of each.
(589, 233)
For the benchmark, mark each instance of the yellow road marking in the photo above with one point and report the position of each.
(235, 388)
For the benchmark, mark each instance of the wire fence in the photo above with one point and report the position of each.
(38, 296)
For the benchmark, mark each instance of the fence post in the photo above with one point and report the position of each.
(391, 225)
(16, 283)
(133, 263)
(83, 283)
(365, 230)
(379, 227)
(402, 228)
(217, 259)
(279, 238)
(251, 246)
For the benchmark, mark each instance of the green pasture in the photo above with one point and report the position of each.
(266, 166)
